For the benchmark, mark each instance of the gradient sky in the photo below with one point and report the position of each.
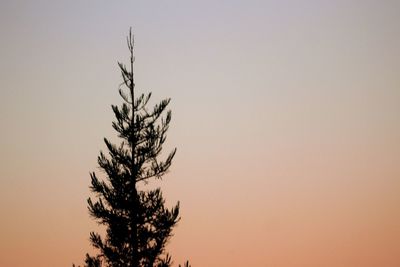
(286, 116)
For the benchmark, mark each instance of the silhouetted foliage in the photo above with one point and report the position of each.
(138, 225)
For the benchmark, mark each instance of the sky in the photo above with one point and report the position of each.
(286, 117)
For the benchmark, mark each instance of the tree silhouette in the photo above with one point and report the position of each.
(138, 225)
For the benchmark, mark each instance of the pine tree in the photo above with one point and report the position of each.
(138, 225)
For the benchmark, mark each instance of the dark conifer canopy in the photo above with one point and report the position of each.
(138, 225)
